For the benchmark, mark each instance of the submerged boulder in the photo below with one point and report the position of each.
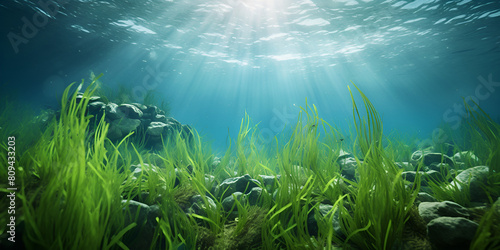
(199, 206)
(477, 177)
(147, 120)
(451, 232)
(405, 165)
(348, 167)
(270, 182)
(243, 184)
(112, 112)
(96, 107)
(119, 128)
(429, 158)
(160, 118)
(344, 155)
(130, 111)
(229, 202)
(432, 210)
(424, 197)
(155, 129)
(141, 236)
(79, 98)
(324, 211)
(467, 157)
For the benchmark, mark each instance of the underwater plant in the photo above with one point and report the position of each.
(77, 205)
(487, 236)
(93, 190)
(381, 202)
(491, 131)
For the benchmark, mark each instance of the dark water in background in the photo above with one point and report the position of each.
(214, 60)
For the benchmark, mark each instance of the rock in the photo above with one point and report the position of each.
(142, 107)
(344, 155)
(425, 197)
(127, 125)
(155, 128)
(451, 232)
(130, 111)
(96, 107)
(409, 175)
(478, 178)
(496, 206)
(440, 167)
(425, 177)
(429, 158)
(122, 127)
(467, 157)
(215, 163)
(114, 133)
(145, 122)
(143, 171)
(348, 167)
(198, 205)
(112, 111)
(300, 172)
(79, 98)
(187, 131)
(141, 236)
(160, 118)
(142, 197)
(173, 124)
(418, 154)
(270, 182)
(243, 184)
(229, 201)
(324, 210)
(432, 210)
(211, 182)
(460, 165)
(405, 165)
(253, 197)
(42, 120)
(445, 148)
(433, 175)
(146, 114)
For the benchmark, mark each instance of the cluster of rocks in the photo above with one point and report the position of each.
(458, 169)
(449, 225)
(147, 121)
(244, 189)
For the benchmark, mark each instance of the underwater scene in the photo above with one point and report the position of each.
(249, 124)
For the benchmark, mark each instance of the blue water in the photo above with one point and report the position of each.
(214, 60)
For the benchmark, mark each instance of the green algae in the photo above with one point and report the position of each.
(72, 199)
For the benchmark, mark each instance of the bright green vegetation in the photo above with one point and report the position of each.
(381, 201)
(490, 130)
(455, 190)
(77, 198)
(77, 188)
(488, 234)
(482, 135)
